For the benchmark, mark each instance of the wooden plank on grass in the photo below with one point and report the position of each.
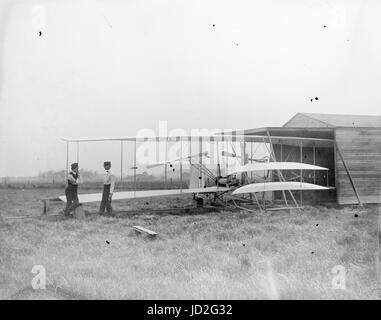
(144, 230)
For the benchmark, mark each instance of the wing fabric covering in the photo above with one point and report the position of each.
(97, 197)
(278, 186)
(277, 166)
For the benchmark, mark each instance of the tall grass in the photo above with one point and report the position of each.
(226, 255)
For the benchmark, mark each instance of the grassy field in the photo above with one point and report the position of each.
(224, 255)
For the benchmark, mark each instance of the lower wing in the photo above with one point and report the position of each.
(97, 197)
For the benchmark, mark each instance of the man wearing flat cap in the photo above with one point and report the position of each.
(71, 190)
(108, 189)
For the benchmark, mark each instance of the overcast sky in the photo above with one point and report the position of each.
(111, 68)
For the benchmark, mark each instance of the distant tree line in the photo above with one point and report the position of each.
(89, 175)
(59, 176)
(89, 178)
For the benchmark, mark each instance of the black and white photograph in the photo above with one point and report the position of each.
(190, 153)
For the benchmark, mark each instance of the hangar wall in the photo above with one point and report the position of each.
(361, 149)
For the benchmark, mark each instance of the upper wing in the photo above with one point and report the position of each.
(277, 166)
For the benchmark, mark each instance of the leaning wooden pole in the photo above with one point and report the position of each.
(349, 175)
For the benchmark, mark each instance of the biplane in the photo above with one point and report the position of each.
(216, 178)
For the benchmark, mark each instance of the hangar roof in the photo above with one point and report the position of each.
(319, 137)
(316, 128)
(332, 120)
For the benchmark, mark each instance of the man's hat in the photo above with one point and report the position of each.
(74, 165)
(107, 163)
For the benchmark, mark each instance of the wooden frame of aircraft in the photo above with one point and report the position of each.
(266, 163)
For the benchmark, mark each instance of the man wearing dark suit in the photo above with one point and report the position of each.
(71, 190)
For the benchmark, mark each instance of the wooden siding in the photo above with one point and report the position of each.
(361, 149)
